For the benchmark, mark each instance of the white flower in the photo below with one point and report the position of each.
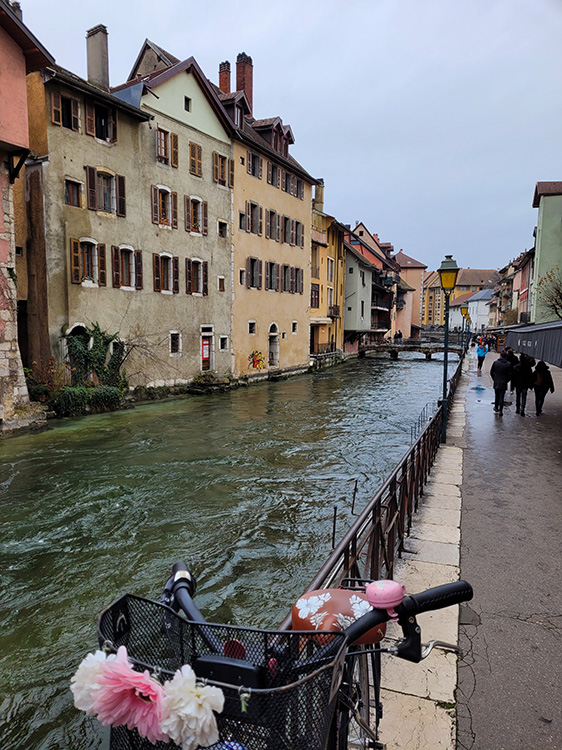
(316, 619)
(84, 684)
(344, 621)
(311, 605)
(187, 710)
(359, 606)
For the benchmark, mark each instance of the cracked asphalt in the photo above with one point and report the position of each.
(510, 680)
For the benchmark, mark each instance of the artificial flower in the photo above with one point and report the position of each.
(187, 710)
(128, 697)
(310, 605)
(359, 606)
(85, 682)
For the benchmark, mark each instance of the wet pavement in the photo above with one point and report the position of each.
(510, 681)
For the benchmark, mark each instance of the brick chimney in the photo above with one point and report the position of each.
(224, 77)
(98, 58)
(244, 77)
(318, 202)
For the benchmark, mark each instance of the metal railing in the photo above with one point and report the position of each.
(369, 548)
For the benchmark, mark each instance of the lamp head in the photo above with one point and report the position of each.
(448, 272)
(464, 310)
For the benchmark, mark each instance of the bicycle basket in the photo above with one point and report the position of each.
(292, 677)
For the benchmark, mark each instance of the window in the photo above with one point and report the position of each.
(294, 326)
(223, 343)
(19, 251)
(87, 262)
(299, 281)
(272, 276)
(164, 206)
(162, 150)
(105, 192)
(254, 218)
(299, 234)
(196, 277)
(254, 268)
(165, 269)
(315, 295)
(351, 269)
(286, 278)
(126, 267)
(222, 228)
(72, 193)
(221, 285)
(286, 230)
(251, 326)
(300, 189)
(195, 159)
(196, 215)
(362, 308)
(187, 103)
(166, 273)
(223, 170)
(272, 226)
(273, 174)
(101, 121)
(175, 343)
(242, 221)
(330, 297)
(65, 111)
(330, 270)
(242, 276)
(254, 164)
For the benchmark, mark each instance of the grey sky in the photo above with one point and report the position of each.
(429, 120)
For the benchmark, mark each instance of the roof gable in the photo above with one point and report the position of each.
(151, 58)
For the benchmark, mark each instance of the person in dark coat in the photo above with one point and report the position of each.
(542, 383)
(501, 375)
(522, 379)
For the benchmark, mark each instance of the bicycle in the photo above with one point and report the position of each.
(305, 689)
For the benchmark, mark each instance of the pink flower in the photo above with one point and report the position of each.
(128, 697)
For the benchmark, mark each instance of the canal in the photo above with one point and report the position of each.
(242, 485)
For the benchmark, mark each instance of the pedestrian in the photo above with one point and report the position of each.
(400, 336)
(481, 352)
(522, 379)
(542, 383)
(501, 375)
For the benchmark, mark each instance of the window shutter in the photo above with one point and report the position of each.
(174, 210)
(267, 275)
(293, 185)
(112, 125)
(249, 162)
(292, 281)
(192, 164)
(302, 235)
(260, 223)
(175, 274)
(75, 276)
(154, 191)
(277, 279)
(205, 212)
(205, 278)
(248, 217)
(121, 205)
(102, 267)
(56, 111)
(261, 168)
(199, 161)
(282, 178)
(92, 188)
(116, 266)
(187, 212)
(215, 167)
(248, 272)
(301, 190)
(267, 223)
(156, 271)
(90, 119)
(188, 276)
(260, 273)
(75, 115)
(231, 173)
(138, 269)
(174, 149)
(269, 170)
(278, 177)
(279, 220)
(293, 229)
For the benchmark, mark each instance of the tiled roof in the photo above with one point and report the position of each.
(404, 261)
(464, 297)
(546, 188)
(250, 136)
(477, 277)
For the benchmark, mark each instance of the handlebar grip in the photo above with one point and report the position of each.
(182, 577)
(437, 598)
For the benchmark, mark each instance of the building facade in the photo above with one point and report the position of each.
(548, 244)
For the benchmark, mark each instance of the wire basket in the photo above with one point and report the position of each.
(292, 677)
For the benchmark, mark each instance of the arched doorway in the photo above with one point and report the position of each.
(273, 359)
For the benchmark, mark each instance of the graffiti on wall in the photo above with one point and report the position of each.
(255, 360)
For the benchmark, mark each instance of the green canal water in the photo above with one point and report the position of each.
(242, 485)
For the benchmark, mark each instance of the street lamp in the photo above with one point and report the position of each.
(464, 313)
(448, 276)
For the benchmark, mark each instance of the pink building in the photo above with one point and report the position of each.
(20, 53)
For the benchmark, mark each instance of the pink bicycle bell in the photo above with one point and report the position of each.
(385, 595)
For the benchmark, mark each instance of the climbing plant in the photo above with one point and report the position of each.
(88, 354)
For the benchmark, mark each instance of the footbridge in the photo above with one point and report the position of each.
(427, 348)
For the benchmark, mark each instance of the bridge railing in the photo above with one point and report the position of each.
(370, 547)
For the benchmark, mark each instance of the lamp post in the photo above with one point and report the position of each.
(448, 276)
(464, 313)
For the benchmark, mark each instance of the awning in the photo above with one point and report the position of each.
(543, 341)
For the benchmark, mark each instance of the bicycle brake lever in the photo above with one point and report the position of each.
(427, 648)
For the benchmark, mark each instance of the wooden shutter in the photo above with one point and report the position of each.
(175, 274)
(116, 266)
(292, 280)
(75, 275)
(56, 110)
(121, 204)
(279, 220)
(231, 173)
(269, 170)
(267, 223)
(260, 222)
(112, 125)
(92, 188)
(215, 167)
(293, 185)
(301, 190)
(188, 276)
(277, 275)
(156, 272)
(187, 212)
(302, 235)
(248, 272)
(90, 118)
(249, 162)
(75, 115)
(138, 269)
(102, 266)
(199, 161)
(267, 275)
(205, 213)
(174, 210)
(174, 150)
(293, 230)
(155, 209)
(205, 278)
(278, 177)
(260, 273)
(261, 168)
(248, 217)
(192, 160)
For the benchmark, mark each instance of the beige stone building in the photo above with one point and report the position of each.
(409, 317)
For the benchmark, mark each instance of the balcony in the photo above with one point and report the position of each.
(334, 311)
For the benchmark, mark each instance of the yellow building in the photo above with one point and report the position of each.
(468, 280)
(327, 278)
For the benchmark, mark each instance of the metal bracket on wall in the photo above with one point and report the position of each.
(15, 168)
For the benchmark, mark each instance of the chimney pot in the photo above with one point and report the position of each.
(244, 77)
(224, 77)
(98, 58)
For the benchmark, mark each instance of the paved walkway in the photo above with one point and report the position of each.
(507, 690)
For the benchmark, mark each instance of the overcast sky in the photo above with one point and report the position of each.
(430, 120)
